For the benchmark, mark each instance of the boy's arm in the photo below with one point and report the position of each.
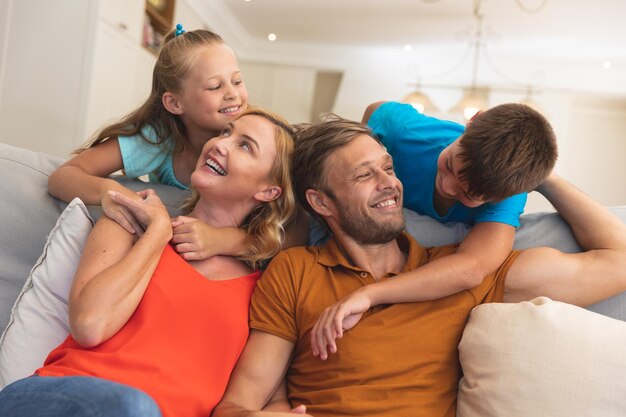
(369, 110)
(581, 278)
(85, 176)
(482, 251)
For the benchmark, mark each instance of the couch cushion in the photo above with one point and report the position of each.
(543, 359)
(39, 319)
(27, 213)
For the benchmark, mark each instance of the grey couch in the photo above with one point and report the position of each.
(28, 213)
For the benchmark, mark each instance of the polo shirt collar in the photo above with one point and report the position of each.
(331, 256)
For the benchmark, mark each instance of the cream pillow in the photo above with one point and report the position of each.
(39, 319)
(542, 358)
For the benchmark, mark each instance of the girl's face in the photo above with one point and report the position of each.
(236, 165)
(213, 93)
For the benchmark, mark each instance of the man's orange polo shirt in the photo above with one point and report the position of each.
(399, 360)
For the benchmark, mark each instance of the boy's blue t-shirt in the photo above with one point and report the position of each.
(415, 141)
(141, 158)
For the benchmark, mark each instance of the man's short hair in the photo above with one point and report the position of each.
(506, 150)
(314, 144)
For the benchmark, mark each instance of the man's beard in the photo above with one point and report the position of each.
(365, 229)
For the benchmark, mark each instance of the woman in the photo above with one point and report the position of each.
(150, 326)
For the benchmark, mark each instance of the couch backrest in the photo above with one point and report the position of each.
(28, 213)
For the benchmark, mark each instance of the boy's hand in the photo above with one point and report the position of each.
(121, 214)
(341, 316)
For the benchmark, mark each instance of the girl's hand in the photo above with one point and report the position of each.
(147, 210)
(195, 240)
(121, 214)
(341, 316)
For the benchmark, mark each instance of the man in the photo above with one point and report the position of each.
(402, 358)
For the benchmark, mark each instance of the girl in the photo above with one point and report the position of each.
(149, 327)
(197, 89)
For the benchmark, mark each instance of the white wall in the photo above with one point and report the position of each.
(590, 128)
(286, 89)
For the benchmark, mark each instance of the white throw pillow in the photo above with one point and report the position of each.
(39, 320)
(542, 358)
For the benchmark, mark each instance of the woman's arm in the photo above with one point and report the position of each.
(85, 176)
(115, 270)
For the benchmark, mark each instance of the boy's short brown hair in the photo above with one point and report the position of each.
(506, 150)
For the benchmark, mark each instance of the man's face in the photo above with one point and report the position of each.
(447, 182)
(364, 192)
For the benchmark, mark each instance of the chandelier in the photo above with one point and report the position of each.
(475, 97)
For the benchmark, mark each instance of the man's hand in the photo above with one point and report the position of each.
(300, 410)
(339, 317)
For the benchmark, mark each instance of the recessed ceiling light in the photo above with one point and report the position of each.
(606, 65)
(247, 1)
(272, 37)
(408, 48)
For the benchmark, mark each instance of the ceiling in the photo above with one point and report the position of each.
(547, 44)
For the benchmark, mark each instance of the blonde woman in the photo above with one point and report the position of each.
(152, 333)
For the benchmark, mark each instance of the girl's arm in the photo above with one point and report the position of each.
(115, 270)
(483, 250)
(196, 240)
(85, 176)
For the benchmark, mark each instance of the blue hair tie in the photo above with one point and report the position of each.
(179, 30)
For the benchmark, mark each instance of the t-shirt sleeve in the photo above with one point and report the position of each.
(273, 304)
(139, 156)
(506, 211)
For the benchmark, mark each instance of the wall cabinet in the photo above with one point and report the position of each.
(67, 67)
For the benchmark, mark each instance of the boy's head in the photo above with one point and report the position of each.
(504, 151)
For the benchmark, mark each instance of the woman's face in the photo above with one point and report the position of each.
(236, 165)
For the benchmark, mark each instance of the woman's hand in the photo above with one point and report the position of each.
(120, 213)
(339, 317)
(147, 210)
(195, 240)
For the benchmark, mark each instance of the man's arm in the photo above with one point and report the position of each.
(259, 372)
(581, 278)
(482, 251)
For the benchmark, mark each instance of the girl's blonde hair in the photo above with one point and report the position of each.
(170, 69)
(265, 225)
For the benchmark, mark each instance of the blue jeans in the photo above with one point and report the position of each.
(73, 396)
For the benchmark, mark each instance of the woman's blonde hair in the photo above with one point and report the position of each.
(170, 69)
(265, 225)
